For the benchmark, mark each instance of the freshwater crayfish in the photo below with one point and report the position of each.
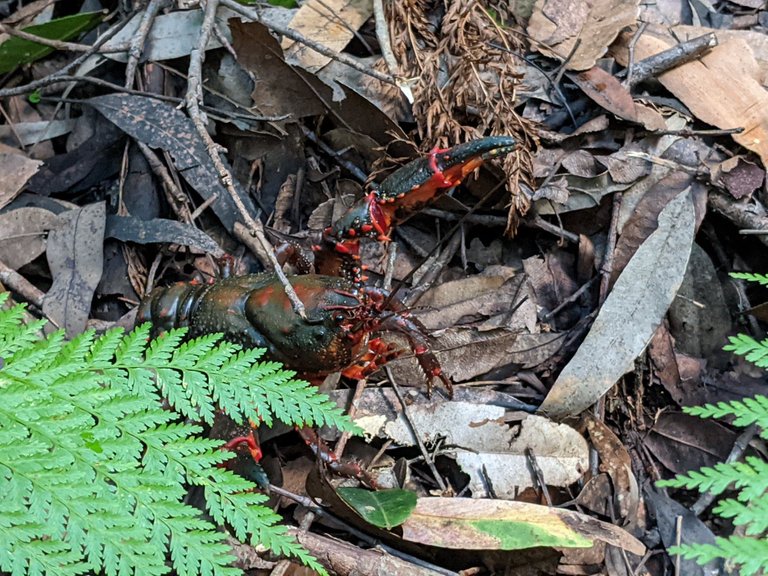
(342, 313)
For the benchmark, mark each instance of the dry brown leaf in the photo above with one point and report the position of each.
(15, 171)
(628, 319)
(615, 460)
(502, 298)
(485, 447)
(557, 26)
(22, 235)
(277, 87)
(683, 443)
(721, 88)
(739, 176)
(332, 23)
(644, 218)
(76, 257)
(465, 353)
(606, 91)
(757, 41)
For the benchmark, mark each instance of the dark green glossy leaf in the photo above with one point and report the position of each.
(384, 508)
(16, 51)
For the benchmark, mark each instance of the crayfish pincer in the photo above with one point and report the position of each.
(336, 335)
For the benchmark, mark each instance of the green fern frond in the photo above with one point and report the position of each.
(94, 471)
(754, 351)
(751, 277)
(749, 554)
(746, 412)
(749, 478)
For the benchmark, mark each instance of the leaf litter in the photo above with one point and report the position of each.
(586, 270)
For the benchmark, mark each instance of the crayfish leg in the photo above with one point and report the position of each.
(415, 332)
(379, 353)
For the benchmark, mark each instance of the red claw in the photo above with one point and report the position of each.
(406, 191)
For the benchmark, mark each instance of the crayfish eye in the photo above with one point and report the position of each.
(339, 318)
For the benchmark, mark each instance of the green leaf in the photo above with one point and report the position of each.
(384, 508)
(16, 51)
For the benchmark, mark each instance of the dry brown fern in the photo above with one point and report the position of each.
(465, 69)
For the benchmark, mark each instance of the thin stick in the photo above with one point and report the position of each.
(21, 285)
(607, 266)
(176, 198)
(345, 436)
(55, 44)
(415, 432)
(382, 34)
(538, 475)
(632, 44)
(572, 298)
(679, 54)
(193, 98)
(139, 38)
(429, 277)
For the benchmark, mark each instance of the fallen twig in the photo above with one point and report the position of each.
(60, 75)
(680, 54)
(193, 98)
(139, 38)
(55, 44)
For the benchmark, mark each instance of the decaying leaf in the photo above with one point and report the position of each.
(615, 460)
(159, 125)
(682, 442)
(75, 256)
(559, 25)
(465, 353)
(22, 235)
(644, 218)
(678, 525)
(15, 171)
(722, 88)
(158, 230)
(172, 35)
(739, 176)
(486, 301)
(606, 91)
(462, 523)
(485, 447)
(332, 23)
(630, 315)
